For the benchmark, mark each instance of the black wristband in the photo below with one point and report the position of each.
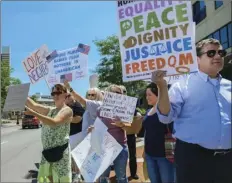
(71, 90)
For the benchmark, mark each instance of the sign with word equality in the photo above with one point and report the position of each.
(35, 65)
(116, 105)
(156, 35)
(16, 97)
(91, 162)
(70, 64)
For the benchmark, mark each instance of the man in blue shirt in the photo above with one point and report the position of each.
(200, 106)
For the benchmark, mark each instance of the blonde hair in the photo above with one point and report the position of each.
(110, 88)
(124, 90)
(99, 96)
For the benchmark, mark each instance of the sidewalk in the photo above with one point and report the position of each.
(7, 128)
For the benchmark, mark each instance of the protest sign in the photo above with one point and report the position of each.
(35, 65)
(156, 35)
(70, 64)
(16, 97)
(116, 105)
(91, 163)
(93, 80)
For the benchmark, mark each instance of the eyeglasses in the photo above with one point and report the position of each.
(91, 95)
(124, 91)
(118, 92)
(212, 53)
(67, 96)
(56, 93)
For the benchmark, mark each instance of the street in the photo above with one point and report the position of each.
(20, 150)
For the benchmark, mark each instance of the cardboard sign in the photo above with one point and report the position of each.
(116, 105)
(91, 162)
(70, 64)
(156, 35)
(35, 65)
(16, 97)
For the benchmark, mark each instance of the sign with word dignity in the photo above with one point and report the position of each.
(156, 35)
(93, 163)
(70, 64)
(35, 65)
(116, 105)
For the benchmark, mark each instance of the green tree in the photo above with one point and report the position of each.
(34, 97)
(110, 69)
(6, 81)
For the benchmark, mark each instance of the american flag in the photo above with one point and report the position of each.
(51, 56)
(67, 77)
(83, 48)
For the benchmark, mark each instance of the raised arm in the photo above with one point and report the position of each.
(37, 107)
(62, 117)
(76, 96)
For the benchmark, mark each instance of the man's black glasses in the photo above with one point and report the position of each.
(212, 53)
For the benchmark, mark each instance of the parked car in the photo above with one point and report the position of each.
(30, 122)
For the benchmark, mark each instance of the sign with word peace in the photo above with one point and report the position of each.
(156, 35)
(92, 162)
(116, 105)
(70, 64)
(35, 65)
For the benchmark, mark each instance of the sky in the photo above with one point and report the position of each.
(26, 26)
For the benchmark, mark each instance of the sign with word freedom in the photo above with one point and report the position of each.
(116, 105)
(92, 162)
(156, 35)
(35, 65)
(70, 64)
(16, 97)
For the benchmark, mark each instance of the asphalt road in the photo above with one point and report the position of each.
(20, 150)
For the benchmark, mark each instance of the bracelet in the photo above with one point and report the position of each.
(71, 90)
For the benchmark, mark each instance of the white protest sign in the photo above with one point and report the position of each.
(16, 97)
(156, 35)
(97, 135)
(91, 163)
(116, 105)
(35, 65)
(93, 80)
(70, 64)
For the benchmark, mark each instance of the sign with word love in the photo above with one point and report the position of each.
(156, 35)
(35, 65)
(116, 105)
(70, 64)
(93, 163)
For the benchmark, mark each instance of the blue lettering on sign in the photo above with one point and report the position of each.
(158, 49)
(67, 69)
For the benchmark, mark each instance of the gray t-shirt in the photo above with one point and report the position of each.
(90, 115)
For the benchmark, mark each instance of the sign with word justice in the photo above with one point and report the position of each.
(70, 64)
(116, 105)
(35, 65)
(156, 35)
(92, 162)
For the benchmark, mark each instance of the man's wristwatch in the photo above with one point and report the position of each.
(71, 90)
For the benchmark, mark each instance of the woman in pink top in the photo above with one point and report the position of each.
(115, 128)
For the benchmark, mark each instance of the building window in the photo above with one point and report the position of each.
(230, 34)
(224, 39)
(199, 11)
(216, 35)
(218, 4)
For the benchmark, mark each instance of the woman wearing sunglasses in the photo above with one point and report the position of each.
(114, 128)
(93, 99)
(55, 165)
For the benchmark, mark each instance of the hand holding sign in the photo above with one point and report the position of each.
(29, 111)
(67, 85)
(157, 77)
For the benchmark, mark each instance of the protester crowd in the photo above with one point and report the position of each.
(187, 128)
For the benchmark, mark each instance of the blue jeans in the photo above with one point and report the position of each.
(160, 170)
(120, 164)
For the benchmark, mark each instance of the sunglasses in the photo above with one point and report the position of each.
(212, 53)
(91, 95)
(67, 96)
(56, 93)
(118, 92)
